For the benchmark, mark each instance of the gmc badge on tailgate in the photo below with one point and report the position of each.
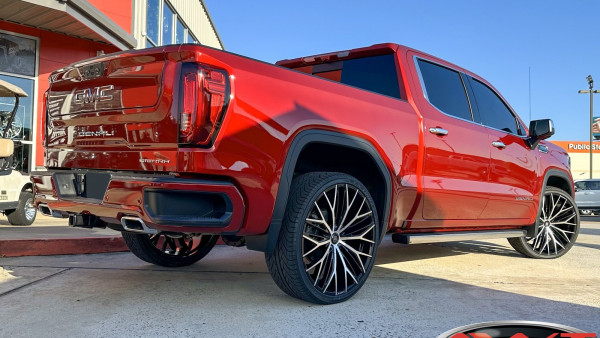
(92, 95)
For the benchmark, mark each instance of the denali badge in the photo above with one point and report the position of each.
(102, 133)
(92, 95)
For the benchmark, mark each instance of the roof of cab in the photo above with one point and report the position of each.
(378, 49)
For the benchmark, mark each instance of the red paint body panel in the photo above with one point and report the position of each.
(438, 183)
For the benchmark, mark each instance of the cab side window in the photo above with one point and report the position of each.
(445, 90)
(494, 113)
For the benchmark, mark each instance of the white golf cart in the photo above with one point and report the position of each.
(16, 190)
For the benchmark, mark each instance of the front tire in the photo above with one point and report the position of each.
(25, 213)
(328, 240)
(169, 249)
(558, 227)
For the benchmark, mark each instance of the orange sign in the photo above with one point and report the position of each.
(578, 146)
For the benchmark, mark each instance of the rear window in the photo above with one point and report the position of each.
(375, 73)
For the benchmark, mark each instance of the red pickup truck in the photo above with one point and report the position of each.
(312, 160)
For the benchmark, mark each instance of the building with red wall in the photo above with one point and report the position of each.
(40, 36)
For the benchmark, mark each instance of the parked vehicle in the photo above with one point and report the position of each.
(312, 160)
(587, 196)
(16, 190)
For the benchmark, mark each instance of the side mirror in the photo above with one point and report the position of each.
(6, 147)
(539, 130)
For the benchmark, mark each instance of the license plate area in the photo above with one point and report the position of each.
(82, 184)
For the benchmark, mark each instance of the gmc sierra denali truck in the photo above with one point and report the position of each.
(312, 160)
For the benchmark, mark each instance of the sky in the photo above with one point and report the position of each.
(501, 41)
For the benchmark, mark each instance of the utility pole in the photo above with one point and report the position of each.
(591, 91)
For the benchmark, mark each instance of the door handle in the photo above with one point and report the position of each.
(499, 144)
(438, 131)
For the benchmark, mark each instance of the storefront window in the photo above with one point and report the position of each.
(17, 55)
(22, 125)
(18, 66)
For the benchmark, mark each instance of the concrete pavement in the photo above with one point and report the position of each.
(52, 236)
(413, 291)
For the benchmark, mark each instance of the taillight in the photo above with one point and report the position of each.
(205, 95)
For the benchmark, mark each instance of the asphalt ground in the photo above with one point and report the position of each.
(413, 291)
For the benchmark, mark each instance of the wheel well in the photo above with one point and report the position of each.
(560, 183)
(27, 187)
(355, 162)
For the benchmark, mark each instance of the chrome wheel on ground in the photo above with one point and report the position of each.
(25, 213)
(327, 245)
(170, 249)
(557, 227)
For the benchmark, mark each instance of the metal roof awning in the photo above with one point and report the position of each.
(77, 18)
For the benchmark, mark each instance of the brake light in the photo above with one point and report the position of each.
(190, 94)
(205, 96)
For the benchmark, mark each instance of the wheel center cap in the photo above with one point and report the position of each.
(335, 238)
(546, 223)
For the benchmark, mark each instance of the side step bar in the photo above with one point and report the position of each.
(440, 237)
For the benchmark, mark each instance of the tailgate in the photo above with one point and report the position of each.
(114, 112)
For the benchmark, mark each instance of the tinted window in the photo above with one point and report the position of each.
(445, 90)
(376, 73)
(493, 111)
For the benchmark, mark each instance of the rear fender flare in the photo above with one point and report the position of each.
(267, 241)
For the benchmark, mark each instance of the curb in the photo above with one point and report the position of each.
(61, 246)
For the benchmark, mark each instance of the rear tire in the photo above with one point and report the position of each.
(25, 212)
(169, 250)
(558, 227)
(328, 240)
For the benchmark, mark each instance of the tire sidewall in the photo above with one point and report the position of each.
(299, 230)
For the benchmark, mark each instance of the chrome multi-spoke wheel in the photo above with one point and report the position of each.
(30, 210)
(25, 212)
(328, 241)
(338, 239)
(170, 249)
(557, 227)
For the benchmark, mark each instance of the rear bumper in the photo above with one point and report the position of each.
(163, 203)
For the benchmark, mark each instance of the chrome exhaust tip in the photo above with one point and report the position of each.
(45, 210)
(135, 224)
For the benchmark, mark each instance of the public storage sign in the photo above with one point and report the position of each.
(577, 146)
